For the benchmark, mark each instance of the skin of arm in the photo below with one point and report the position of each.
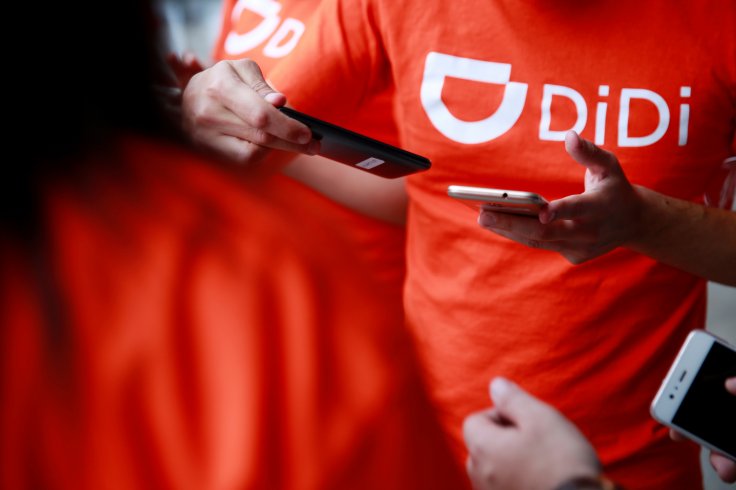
(612, 212)
(370, 195)
(231, 110)
(523, 443)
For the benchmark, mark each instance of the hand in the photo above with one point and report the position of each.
(231, 109)
(522, 443)
(724, 467)
(583, 226)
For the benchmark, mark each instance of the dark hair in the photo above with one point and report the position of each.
(83, 73)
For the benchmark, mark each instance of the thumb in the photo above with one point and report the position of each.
(251, 74)
(731, 385)
(513, 404)
(599, 161)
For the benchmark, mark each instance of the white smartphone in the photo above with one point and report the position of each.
(693, 398)
(502, 200)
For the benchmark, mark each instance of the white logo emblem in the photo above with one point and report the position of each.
(438, 66)
(281, 41)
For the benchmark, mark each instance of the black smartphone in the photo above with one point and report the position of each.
(359, 151)
(693, 398)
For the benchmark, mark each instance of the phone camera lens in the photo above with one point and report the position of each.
(505, 195)
(672, 397)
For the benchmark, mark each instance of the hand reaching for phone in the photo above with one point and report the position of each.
(723, 466)
(583, 226)
(231, 109)
(524, 443)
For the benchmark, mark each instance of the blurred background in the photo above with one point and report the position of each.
(192, 26)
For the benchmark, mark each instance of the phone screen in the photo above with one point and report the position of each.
(708, 411)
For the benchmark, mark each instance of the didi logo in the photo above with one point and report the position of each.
(440, 66)
(280, 35)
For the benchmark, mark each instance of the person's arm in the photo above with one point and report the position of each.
(612, 212)
(523, 443)
(370, 195)
(230, 109)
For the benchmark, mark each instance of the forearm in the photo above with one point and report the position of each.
(689, 236)
(383, 199)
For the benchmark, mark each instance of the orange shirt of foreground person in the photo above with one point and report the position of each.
(182, 326)
(487, 91)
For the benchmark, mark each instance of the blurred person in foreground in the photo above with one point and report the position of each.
(170, 323)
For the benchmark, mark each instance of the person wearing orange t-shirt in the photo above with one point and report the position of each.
(587, 305)
(266, 32)
(162, 324)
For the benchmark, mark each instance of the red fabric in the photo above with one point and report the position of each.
(596, 339)
(210, 339)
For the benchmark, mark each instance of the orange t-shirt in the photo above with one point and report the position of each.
(183, 334)
(487, 91)
(266, 31)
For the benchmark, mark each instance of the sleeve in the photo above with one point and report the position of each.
(339, 62)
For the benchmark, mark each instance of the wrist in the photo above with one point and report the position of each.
(588, 483)
(649, 220)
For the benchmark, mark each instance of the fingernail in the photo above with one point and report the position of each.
(546, 217)
(499, 388)
(486, 219)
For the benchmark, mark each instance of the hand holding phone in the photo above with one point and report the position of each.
(501, 200)
(693, 399)
(359, 151)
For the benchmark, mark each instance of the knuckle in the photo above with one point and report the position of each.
(200, 114)
(260, 86)
(258, 118)
(246, 63)
(214, 89)
(261, 137)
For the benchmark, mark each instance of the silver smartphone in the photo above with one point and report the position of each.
(501, 200)
(693, 398)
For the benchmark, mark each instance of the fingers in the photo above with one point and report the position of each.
(230, 109)
(246, 101)
(238, 150)
(725, 467)
(532, 232)
(731, 385)
(478, 428)
(584, 152)
(580, 206)
(514, 404)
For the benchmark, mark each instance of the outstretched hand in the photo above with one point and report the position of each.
(523, 443)
(231, 109)
(583, 226)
